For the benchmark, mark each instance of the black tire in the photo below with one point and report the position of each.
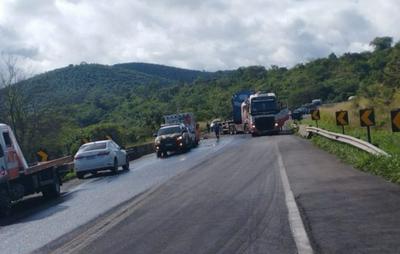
(52, 190)
(126, 166)
(80, 175)
(5, 204)
(115, 168)
(159, 154)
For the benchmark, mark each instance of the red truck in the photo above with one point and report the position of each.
(17, 179)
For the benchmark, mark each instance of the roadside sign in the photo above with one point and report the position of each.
(342, 118)
(395, 118)
(367, 117)
(315, 114)
(42, 155)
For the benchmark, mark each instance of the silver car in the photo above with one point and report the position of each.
(100, 155)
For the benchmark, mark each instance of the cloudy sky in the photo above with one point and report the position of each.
(199, 34)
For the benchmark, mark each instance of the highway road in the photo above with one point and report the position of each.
(272, 194)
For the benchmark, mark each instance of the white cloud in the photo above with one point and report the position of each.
(208, 34)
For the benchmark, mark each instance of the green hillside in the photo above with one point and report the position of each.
(167, 72)
(127, 101)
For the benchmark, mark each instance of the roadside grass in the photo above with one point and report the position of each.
(382, 136)
(386, 167)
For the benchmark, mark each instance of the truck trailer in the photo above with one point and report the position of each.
(17, 179)
(240, 123)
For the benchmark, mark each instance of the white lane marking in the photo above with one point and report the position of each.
(296, 224)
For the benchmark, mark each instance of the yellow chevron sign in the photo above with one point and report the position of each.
(43, 155)
(315, 114)
(367, 117)
(395, 117)
(342, 118)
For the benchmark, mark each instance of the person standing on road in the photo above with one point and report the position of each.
(217, 129)
(208, 127)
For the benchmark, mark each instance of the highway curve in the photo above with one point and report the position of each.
(234, 202)
(229, 196)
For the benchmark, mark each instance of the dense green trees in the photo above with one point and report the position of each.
(127, 101)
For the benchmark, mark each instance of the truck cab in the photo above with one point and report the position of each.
(12, 161)
(265, 114)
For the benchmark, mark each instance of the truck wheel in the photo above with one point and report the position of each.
(159, 154)
(5, 204)
(126, 166)
(115, 168)
(53, 190)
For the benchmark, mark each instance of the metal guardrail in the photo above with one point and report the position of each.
(361, 144)
(140, 150)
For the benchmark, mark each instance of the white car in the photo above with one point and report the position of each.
(100, 155)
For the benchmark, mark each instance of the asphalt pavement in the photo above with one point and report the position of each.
(229, 196)
(39, 223)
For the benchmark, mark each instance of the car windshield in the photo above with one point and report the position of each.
(93, 146)
(169, 130)
(264, 106)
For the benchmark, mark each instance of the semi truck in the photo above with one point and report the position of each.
(264, 114)
(239, 123)
(18, 179)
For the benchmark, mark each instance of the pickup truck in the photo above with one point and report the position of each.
(17, 179)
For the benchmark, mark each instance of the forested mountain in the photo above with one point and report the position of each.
(127, 101)
(167, 72)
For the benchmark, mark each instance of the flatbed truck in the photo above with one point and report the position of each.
(18, 180)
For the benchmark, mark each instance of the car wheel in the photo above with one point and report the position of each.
(126, 166)
(80, 175)
(159, 154)
(115, 168)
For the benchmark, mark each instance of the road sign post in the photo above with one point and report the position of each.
(367, 119)
(342, 119)
(395, 119)
(315, 115)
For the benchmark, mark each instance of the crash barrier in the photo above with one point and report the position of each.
(140, 150)
(361, 144)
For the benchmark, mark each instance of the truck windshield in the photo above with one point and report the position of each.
(169, 130)
(264, 106)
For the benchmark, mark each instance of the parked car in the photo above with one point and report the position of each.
(172, 138)
(100, 155)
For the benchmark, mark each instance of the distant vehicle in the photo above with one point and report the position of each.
(297, 115)
(172, 138)
(100, 155)
(240, 122)
(265, 115)
(225, 127)
(17, 179)
(316, 102)
(189, 121)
